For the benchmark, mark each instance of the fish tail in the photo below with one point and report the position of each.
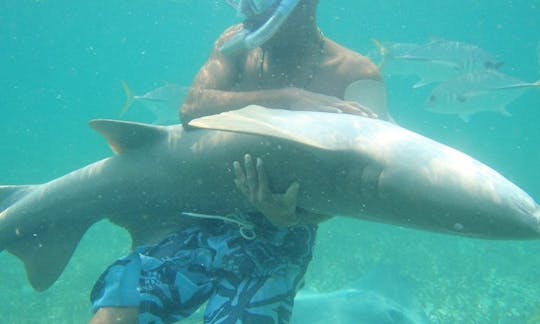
(381, 50)
(8, 196)
(129, 98)
(45, 248)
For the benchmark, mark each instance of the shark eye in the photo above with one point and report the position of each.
(432, 98)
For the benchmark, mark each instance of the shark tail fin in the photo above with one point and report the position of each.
(46, 254)
(44, 247)
(130, 98)
(382, 51)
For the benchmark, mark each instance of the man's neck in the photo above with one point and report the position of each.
(295, 38)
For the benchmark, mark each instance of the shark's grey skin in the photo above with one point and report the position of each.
(348, 166)
(350, 306)
(383, 296)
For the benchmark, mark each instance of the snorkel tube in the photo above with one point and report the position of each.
(246, 39)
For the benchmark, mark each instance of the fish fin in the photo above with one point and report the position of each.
(421, 83)
(502, 110)
(124, 136)
(465, 117)
(451, 65)
(370, 94)
(389, 281)
(10, 194)
(490, 65)
(382, 51)
(46, 254)
(130, 98)
(462, 98)
(278, 123)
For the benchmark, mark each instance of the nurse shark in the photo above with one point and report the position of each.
(383, 296)
(346, 165)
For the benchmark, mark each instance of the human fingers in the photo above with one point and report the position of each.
(238, 171)
(317, 106)
(328, 109)
(355, 108)
(240, 178)
(251, 177)
(264, 188)
(291, 195)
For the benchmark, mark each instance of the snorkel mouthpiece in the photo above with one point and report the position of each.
(246, 40)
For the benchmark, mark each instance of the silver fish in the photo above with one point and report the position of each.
(470, 93)
(163, 102)
(435, 61)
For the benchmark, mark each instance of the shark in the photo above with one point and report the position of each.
(347, 166)
(383, 296)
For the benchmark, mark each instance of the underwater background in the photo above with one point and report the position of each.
(62, 63)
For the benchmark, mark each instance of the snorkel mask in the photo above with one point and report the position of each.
(248, 39)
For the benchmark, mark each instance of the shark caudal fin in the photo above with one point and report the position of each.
(382, 51)
(130, 98)
(44, 246)
(46, 254)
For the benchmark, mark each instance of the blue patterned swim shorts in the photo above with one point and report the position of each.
(243, 281)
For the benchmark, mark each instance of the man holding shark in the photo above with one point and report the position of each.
(277, 58)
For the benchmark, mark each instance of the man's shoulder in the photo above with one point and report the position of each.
(353, 64)
(228, 34)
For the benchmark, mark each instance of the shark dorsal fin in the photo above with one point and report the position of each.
(124, 136)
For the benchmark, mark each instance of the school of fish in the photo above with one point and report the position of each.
(466, 79)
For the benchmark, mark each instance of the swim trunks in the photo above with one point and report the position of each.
(243, 280)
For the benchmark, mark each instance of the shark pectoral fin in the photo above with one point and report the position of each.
(502, 110)
(124, 136)
(465, 117)
(278, 123)
(46, 254)
(370, 94)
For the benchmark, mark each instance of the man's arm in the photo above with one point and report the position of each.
(212, 93)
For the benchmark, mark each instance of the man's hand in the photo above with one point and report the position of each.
(280, 209)
(312, 101)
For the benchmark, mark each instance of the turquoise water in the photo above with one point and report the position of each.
(62, 62)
